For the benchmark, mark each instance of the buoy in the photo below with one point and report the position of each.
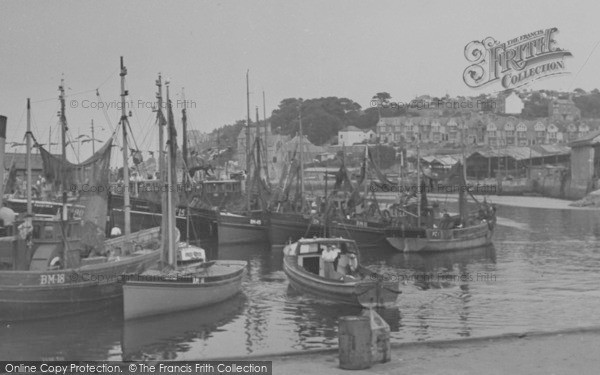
(355, 342)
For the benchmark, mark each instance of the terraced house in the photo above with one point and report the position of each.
(491, 130)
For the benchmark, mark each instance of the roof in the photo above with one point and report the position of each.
(524, 152)
(308, 146)
(351, 129)
(587, 140)
(444, 160)
(19, 159)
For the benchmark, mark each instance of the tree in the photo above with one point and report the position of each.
(383, 97)
(589, 105)
(322, 118)
(535, 107)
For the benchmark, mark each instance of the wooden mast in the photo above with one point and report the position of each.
(63, 180)
(63, 130)
(258, 159)
(93, 139)
(247, 139)
(366, 182)
(28, 160)
(419, 192)
(2, 153)
(301, 155)
(184, 178)
(266, 139)
(124, 124)
(172, 256)
(161, 124)
(462, 203)
(184, 149)
(162, 177)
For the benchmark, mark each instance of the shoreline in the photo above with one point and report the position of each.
(595, 330)
(538, 352)
(505, 200)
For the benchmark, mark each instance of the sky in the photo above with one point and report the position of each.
(305, 49)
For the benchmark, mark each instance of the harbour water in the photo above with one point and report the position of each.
(541, 274)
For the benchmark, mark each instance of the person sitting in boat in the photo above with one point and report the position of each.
(348, 265)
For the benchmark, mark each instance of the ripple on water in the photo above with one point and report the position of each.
(544, 265)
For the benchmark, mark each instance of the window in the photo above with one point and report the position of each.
(48, 232)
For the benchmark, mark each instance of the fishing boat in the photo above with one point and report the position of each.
(54, 267)
(194, 221)
(449, 232)
(329, 268)
(351, 215)
(252, 223)
(42, 208)
(183, 288)
(187, 280)
(292, 215)
(291, 226)
(146, 213)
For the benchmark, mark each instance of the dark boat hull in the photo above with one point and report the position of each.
(365, 233)
(26, 295)
(436, 240)
(145, 214)
(290, 227)
(44, 208)
(237, 229)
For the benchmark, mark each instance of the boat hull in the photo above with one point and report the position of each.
(290, 227)
(44, 208)
(155, 297)
(237, 229)
(27, 295)
(366, 234)
(145, 214)
(436, 240)
(373, 292)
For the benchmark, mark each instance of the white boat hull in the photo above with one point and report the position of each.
(146, 298)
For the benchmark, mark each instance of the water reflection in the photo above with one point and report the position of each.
(443, 261)
(544, 262)
(167, 336)
(314, 322)
(91, 335)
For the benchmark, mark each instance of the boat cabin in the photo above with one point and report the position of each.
(190, 254)
(330, 258)
(38, 244)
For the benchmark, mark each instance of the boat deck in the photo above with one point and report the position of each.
(209, 271)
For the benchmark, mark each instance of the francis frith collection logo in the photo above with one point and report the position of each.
(516, 62)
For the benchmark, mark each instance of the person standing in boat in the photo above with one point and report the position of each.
(329, 256)
(347, 263)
